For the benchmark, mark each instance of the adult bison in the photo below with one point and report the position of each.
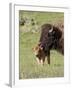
(52, 37)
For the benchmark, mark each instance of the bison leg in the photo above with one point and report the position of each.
(48, 57)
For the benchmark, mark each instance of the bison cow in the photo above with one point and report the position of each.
(52, 37)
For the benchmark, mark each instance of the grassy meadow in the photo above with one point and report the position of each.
(28, 38)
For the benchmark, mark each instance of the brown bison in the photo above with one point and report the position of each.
(52, 37)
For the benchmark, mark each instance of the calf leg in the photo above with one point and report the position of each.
(48, 57)
(43, 60)
(38, 61)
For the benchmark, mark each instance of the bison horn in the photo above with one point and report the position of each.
(51, 30)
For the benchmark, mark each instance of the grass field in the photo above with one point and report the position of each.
(28, 67)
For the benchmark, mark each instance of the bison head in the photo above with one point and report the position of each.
(50, 36)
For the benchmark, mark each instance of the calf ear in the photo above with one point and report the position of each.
(39, 43)
(33, 48)
(36, 48)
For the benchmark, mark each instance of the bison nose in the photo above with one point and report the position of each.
(37, 55)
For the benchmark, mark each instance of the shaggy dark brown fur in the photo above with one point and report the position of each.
(51, 38)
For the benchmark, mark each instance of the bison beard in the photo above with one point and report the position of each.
(51, 38)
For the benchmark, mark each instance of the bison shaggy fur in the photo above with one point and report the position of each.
(52, 37)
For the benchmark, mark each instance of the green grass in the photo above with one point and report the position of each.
(28, 64)
(28, 67)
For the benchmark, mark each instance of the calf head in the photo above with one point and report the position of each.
(39, 53)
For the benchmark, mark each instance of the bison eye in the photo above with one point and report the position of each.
(51, 34)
